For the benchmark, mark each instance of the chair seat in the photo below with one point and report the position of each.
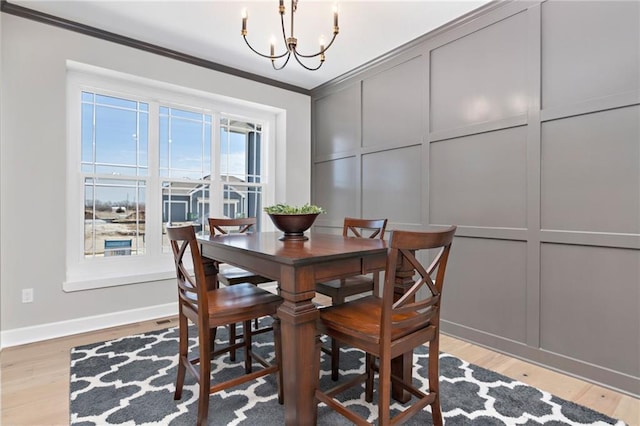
(346, 287)
(360, 320)
(233, 276)
(241, 302)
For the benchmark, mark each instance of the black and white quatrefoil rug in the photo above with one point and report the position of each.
(130, 381)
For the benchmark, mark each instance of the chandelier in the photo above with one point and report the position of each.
(291, 42)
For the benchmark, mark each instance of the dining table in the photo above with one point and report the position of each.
(297, 265)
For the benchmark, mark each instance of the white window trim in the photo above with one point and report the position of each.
(83, 274)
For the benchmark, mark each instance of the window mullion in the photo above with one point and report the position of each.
(153, 219)
(216, 209)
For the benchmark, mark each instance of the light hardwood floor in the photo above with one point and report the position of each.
(35, 378)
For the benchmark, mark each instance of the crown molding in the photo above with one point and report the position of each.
(34, 15)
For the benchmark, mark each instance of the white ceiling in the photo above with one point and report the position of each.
(211, 29)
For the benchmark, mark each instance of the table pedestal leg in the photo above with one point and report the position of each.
(298, 316)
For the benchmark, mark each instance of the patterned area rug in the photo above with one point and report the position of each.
(130, 381)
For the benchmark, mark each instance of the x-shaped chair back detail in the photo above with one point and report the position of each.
(364, 228)
(409, 311)
(192, 289)
(221, 225)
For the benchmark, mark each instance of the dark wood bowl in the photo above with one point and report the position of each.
(293, 225)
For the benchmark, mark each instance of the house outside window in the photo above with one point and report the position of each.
(141, 159)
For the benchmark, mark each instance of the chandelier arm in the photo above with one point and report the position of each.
(291, 42)
(264, 56)
(304, 66)
(320, 52)
(273, 63)
(284, 32)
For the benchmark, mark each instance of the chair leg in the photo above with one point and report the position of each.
(182, 354)
(384, 392)
(277, 338)
(434, 380)
(316, 373)
(247, 333)
(335, 359)
(335, 345)
(232, 341)
(205, 378)
(369, 364)
(212, 338)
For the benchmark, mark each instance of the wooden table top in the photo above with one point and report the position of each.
(319, 247)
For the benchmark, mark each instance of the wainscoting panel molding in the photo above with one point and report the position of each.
(521, 125)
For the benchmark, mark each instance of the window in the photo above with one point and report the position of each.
(240, 169)
(142, 158)
(114, 155)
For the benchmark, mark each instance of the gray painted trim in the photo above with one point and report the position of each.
(513, 234)
(599, 239)
(553, 361)
(533, 197)
(503, 124)
(621, 100)
(66, 24)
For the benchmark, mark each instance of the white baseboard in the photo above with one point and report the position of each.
(36, 333)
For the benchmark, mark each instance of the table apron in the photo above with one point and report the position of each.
(322, 271)
(250, 262)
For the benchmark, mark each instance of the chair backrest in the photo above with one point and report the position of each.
(222, 225)
(192, 289)
(364, 228)
(419, 305)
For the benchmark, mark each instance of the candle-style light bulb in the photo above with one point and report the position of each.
(321, 43)
(244, 21)
(272, 43)
(335, 15)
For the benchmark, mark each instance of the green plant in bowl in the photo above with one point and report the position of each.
(292, 220)
(288, 209)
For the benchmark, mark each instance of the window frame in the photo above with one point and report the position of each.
(153, 265)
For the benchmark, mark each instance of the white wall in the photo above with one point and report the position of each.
(32, 172)
(1, 95)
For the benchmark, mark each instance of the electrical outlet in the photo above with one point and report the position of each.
(27, 295)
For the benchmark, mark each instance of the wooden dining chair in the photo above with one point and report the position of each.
(233, 275)
(390, 325)
(209, 308)
(342, 288)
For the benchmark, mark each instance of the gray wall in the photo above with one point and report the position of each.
(34, 162)
(519, 124)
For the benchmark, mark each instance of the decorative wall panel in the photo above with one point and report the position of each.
(480, 77)
(340, 118)
(393, 105)
(479, 180)
(589, 50)
(391, 185)
(590, 172)
(589, 305)
(335, 184)
(479, 294)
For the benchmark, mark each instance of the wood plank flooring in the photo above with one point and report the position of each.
(35, 377)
